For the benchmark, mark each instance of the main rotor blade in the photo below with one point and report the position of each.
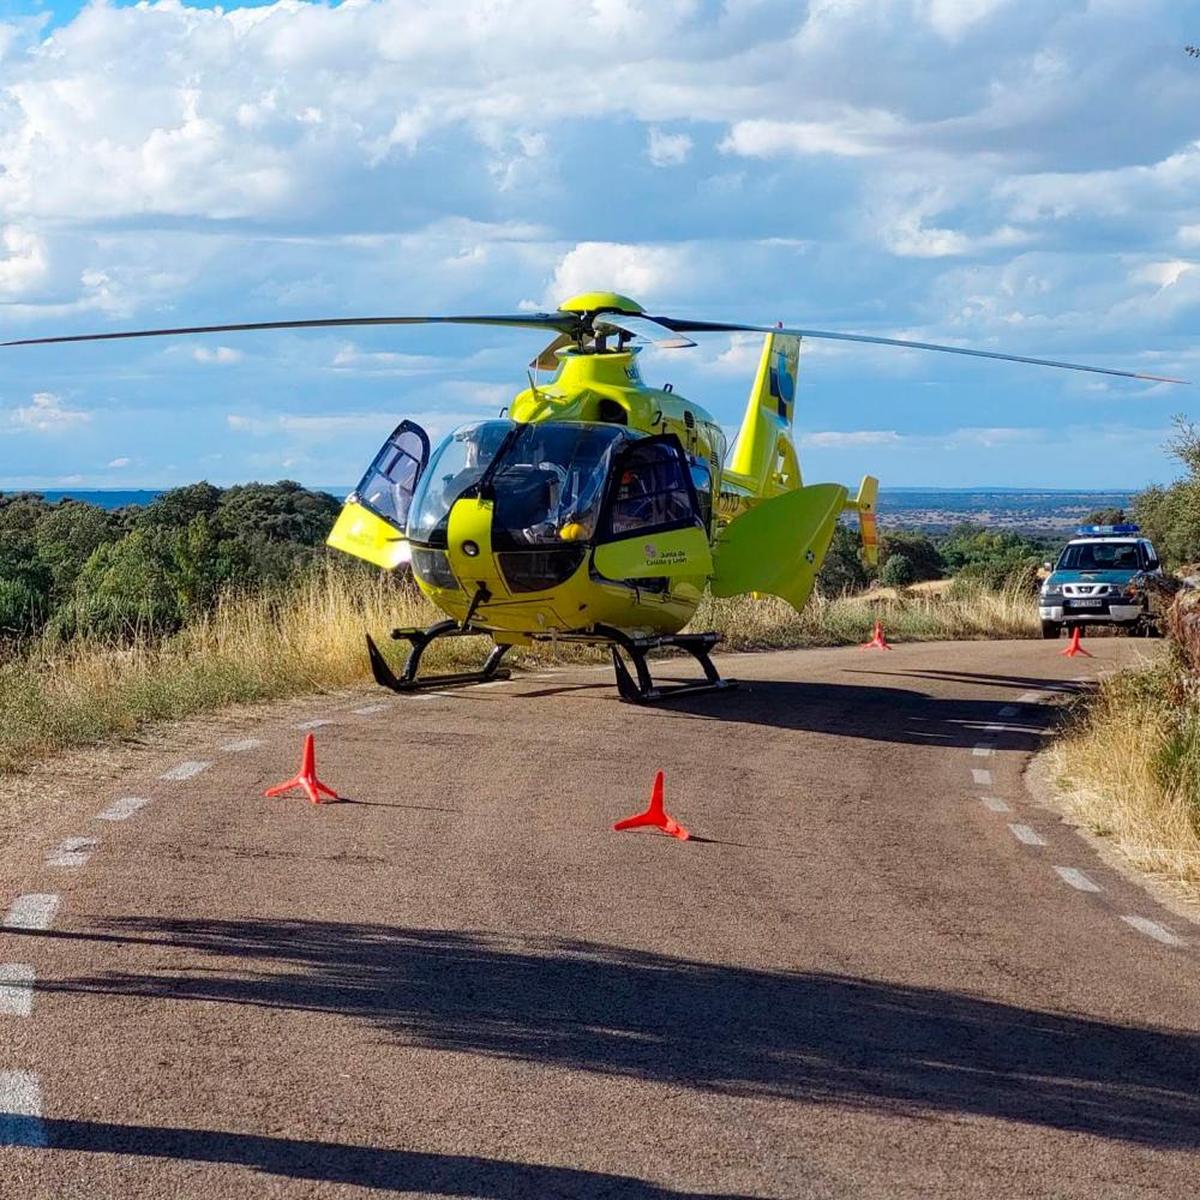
(685, 326)
(645, 328)
(563, 322)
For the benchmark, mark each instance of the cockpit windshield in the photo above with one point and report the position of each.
(456, 465)
(547, 484)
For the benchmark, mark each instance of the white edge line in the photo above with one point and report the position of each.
(1077, 879)
(184, 770)
(34, 910)
(1160, 933)
(1023, 833)
(123, 809)
(16, 989)
(21, 1109)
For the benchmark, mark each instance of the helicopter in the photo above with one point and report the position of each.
(597, 509)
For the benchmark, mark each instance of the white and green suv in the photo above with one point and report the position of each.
(1106, 576)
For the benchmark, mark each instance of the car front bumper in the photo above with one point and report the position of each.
(1112, 614)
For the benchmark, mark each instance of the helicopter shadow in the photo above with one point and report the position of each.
(872, 712)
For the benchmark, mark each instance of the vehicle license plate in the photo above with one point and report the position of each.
(1086, 603)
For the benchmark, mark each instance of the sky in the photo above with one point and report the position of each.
(987, 173)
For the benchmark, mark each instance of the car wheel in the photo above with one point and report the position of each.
(1049, 629)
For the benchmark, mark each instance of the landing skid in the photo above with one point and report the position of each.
(421, 639)
(642, 689)
(637, 687)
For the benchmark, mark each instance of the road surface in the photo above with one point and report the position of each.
(878, 969)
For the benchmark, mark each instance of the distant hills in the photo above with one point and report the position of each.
(935, 510)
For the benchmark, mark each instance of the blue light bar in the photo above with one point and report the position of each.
(1106, 530)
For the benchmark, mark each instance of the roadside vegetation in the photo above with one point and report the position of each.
(1129, 760)
(209, 596)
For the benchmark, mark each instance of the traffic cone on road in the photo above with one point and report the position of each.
(307, 778)
(878, 641)
(656, 815)
(1074, 647)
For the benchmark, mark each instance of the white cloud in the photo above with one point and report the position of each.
(45, 414)
(119, 463)
(1189, 235)
(667, 149)
(223, 356)
(848, 134)
(23, 265)
(645, 272)
(1163, 274)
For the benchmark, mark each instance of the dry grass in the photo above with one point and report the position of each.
(311, 638)
(1129, 764)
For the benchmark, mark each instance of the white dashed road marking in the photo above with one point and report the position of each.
(72, 852)
(123, 809)
(241, 746)
(21, 1109)
(982, 778)
(983, 751)
(16, 989)
(35, 910)
(1030, 837)
(1160, 933)
(315, 723)
(370, 710)
(1030, 698)
(184, 770)
(995, 804)
(1077, 879)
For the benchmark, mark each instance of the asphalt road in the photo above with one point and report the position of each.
(864, 976)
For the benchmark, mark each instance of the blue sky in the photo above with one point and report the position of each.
(990, 173)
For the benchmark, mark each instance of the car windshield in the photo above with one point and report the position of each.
(549, 481)
(1099, 556)
(455, 466)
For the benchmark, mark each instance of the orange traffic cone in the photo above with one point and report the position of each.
(878, 641)
(307, 778)
(656, 815)
(1074, 647)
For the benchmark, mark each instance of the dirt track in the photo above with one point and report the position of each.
(855, 981)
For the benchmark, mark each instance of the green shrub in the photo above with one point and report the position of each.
(898, 571)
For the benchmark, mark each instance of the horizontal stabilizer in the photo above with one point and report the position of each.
(778, 546)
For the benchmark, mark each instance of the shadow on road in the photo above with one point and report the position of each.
(364, 1166)
(870, 711)
(803, 1037)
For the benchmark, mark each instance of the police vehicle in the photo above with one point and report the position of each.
(1107, 575)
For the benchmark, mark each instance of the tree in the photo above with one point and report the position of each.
(926, 559)
(1170, 516)
(1106, 516)
(898, 571)
(843, 570)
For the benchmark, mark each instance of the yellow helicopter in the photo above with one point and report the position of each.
(597, 509)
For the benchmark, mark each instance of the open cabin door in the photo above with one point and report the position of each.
(373, 522)
(651, 524)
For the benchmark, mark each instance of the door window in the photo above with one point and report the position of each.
(387, 487)
(651, 489)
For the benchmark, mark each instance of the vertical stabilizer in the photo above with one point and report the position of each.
(764, 456)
